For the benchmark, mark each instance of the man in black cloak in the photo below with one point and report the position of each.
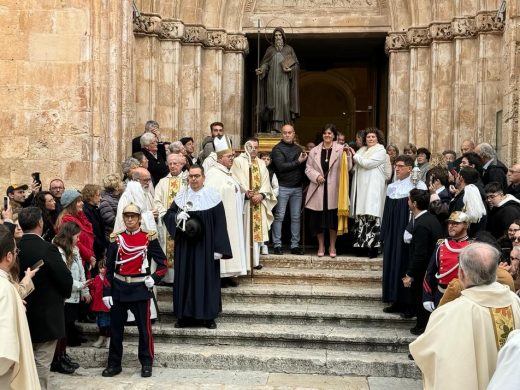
(196, 220)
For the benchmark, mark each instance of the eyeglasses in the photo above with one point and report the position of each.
(512, 171)
(57, 188)
(516, 239)
(492, 196)
(194, 177)
(514, 258)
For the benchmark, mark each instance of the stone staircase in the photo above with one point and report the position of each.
(300, 314)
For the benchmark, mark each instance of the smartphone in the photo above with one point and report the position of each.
(37, 265)
(6, 202)
(36, 177)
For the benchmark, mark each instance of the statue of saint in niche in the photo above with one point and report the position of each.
(279, 102)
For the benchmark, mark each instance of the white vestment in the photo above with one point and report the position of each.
(506, 376)
(240, 170)
(459, 348)
(227, 186)
(164, 191)
(17, 366)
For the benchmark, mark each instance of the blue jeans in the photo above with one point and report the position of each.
(293, 196)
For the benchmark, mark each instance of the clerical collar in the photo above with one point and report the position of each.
(132, 233)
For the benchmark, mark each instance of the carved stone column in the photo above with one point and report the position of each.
(489, 74)
(465, 71)
(441, 87)
(420, 85)
(399, 88)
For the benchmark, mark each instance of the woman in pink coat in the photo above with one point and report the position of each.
(323, 169)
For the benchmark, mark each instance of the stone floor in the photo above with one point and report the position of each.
(167, 378)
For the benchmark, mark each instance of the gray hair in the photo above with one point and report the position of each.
(128, 164)
(146, 139)
(150, 125)
(487, 151)
(176, 146)
(479, 261)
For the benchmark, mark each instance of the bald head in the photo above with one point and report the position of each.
(478, 264)
(175, 163)
(467, 146)
(143, 176)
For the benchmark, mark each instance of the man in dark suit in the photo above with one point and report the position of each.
(493, 169)
(53, 284)
(425, 233)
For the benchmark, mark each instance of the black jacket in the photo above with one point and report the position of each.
(426, 232)
(499, 218)
(53, 284)
(98, 228)
(289, 171)
(157, 166)
(496, 171)
(136, 147)
(514, 190)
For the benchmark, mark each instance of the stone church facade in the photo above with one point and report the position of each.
(78, 78)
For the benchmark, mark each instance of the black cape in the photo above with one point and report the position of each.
(196, 285)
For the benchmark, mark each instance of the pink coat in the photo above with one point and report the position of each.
(314, 199)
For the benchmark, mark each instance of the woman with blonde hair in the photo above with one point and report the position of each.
(114, 187)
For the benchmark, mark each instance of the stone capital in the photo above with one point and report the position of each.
(463, 27)
(194, 34)
(487, 22)
(396, 41)
(149, 24)
(215, 39)
(441, 31)
(418, 36)
(237, 43)
(171, 29)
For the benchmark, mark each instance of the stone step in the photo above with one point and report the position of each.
(300, 314)
(330, 277)
(327, 337)
(326, 262)
(260, 358)
(295, 294)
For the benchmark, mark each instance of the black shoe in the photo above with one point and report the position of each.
(232, 282)
(278, 250)
(62, 367)
(67, 359)
(73, 343)
(211, 324)
(111, 371)
(406, 315)
(297, 251)
(393, 308)
(259, 267)
(146, 371)
(372, 253)
(417, 331)
(224, 283)
(410, 357)
(180, 324)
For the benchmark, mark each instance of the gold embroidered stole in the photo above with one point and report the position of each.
(257, 209)
(503, 323)
(174, 185)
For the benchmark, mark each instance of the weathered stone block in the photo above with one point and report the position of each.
(54, 47)
(8, 72)
(14, 147)
(74, 21)
(13, 47)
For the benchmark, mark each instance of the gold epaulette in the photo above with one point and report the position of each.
(152, 235)
(114, 235)
(440, 241)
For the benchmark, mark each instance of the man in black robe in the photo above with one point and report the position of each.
(278, 72)
(196, 220)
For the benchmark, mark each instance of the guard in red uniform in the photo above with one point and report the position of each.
(444, 265)
(128, 272)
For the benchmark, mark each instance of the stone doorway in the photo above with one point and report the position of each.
(343, 80)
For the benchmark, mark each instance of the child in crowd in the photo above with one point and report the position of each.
(98, 307)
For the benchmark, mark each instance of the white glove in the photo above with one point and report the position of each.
(428, 305)
(108, 302)
(217, 256)
(149, 282)
(182, 216)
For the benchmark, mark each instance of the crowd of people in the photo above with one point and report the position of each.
(201, 220)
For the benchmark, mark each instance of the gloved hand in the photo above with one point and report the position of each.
(217, 256)
(149, 282)
(182, 216)
(108, 302)
(428, 305)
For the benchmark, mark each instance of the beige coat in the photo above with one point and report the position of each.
(314, 199)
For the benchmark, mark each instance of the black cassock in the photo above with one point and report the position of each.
(396, 216)
(196, 285)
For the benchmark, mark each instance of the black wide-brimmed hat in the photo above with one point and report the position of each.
(194, 228)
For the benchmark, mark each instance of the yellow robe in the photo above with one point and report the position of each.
(16, 354)
(459, 348)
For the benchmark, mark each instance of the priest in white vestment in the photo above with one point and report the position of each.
(459, 348)
(165, 192)
(253, 177)
(17, 366)
(219, 177)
